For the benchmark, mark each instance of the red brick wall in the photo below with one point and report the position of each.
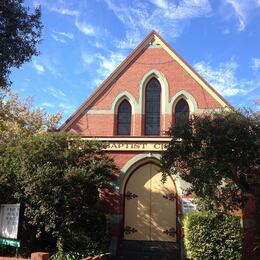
(152, 58)
(11, 258)
(34, 256)
(248, 231)
(94, 125)
(159, 59)
(113, 201)
(121, 158)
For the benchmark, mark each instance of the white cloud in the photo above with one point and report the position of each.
(239, 9)
(44, 64)
(166, 17)
(160, 3)
(62, 102)
(61, 36)
(244, 10)
(87, 58)
(59, 7)
(85, 28)
(39, 67)
(56, 6)
(109, 63)
(99, 45)
(224, 78)
(47, 104)
(131, 40)
(226, 31)
(67, 107)
(51, 64)
(255, 64)
(97, 82)
(57, 38)
(104, 64)
(65, 34)
(64, 11)
(57, 93)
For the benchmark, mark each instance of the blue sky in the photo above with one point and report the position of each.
(84, 41)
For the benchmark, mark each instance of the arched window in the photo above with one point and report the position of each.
(181, 112)
(152, 107)
(124, 118)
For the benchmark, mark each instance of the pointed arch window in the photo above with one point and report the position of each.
(124, 114)
(152, 107)
(181, 112)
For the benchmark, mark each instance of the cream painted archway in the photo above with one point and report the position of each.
(193, 107)
(115, 105)
(133, 163)
(140, 159)
(127, 96)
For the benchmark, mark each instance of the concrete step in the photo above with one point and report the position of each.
(147, 250)
(144, 257)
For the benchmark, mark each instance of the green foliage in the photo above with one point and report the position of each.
(19, 120)
(60, 255)
(57, 176)
(219, 154)
(66, 256)
(20, 32)
(211, 235)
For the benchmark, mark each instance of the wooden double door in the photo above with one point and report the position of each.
(150, 206)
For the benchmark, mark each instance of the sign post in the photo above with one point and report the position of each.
(9, 223)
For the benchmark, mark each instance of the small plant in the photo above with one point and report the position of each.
(66, 256)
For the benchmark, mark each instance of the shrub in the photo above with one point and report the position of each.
(65, 256)
(212, 235)
(59, 185)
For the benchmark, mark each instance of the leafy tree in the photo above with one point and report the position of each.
(219, 154)
(20, 32)
(18, 119)
(59, 182)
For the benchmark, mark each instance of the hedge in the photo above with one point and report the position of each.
(212, 235)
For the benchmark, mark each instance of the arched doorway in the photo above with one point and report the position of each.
(150, 206)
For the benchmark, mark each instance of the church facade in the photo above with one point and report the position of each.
(152, 89)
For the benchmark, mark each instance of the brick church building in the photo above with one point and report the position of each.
(152, 89)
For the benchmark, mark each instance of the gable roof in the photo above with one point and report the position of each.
(107, 82)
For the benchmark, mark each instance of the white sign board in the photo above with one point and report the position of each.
(188, 205)
(9, 220)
